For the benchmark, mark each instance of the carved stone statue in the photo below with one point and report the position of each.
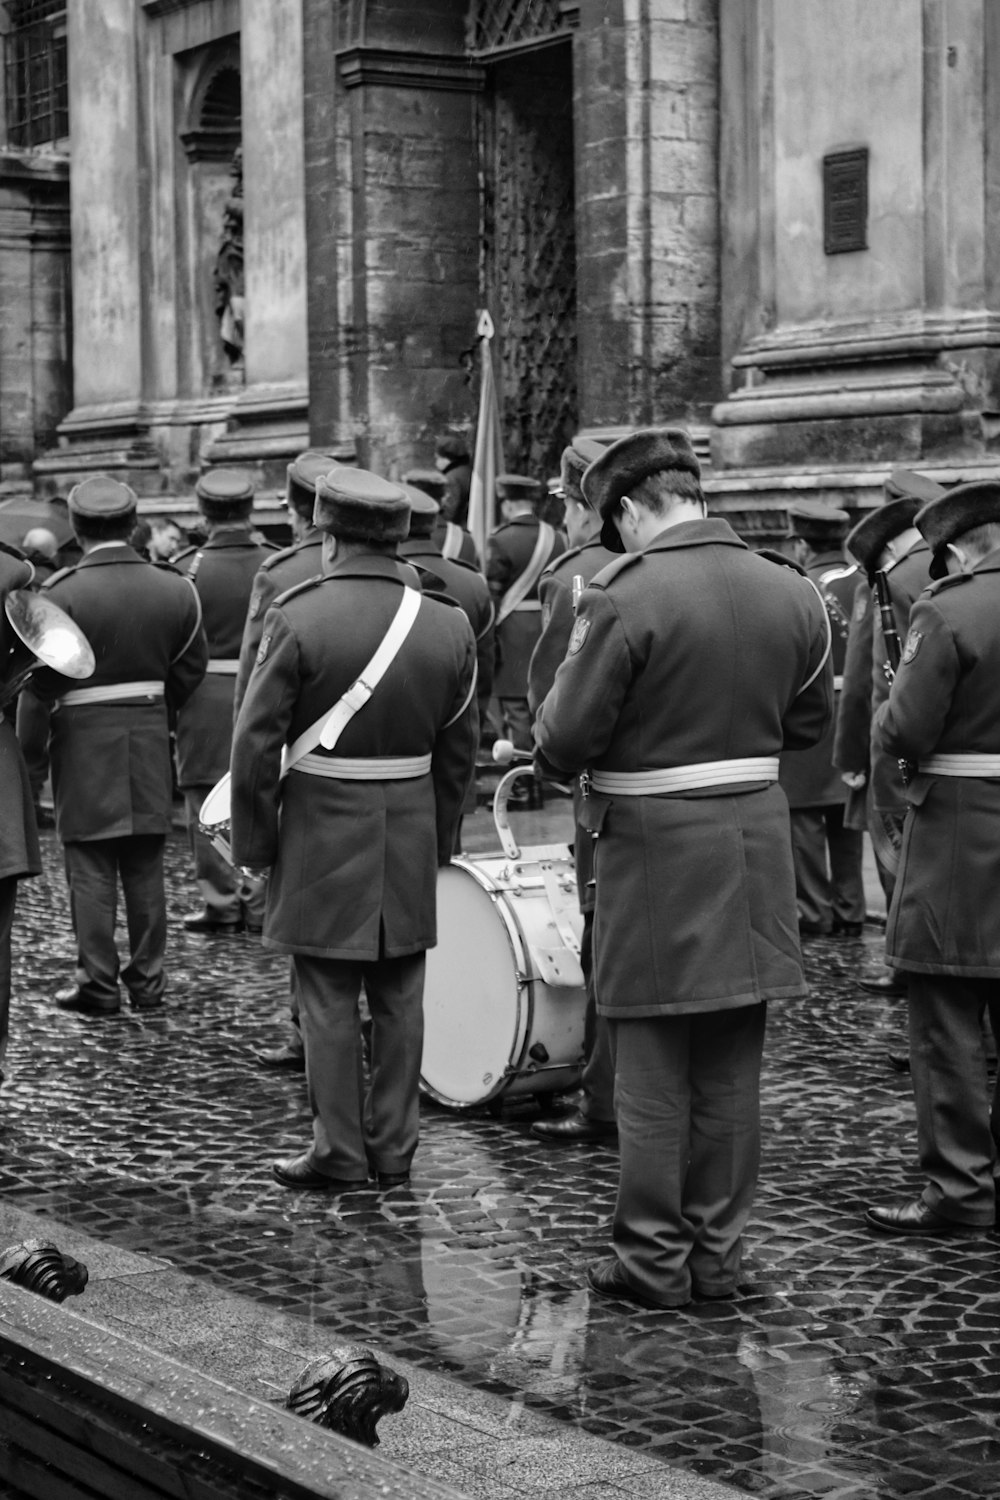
(228, 273)
(348, 1391)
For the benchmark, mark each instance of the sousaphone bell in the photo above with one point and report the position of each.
(46, 637)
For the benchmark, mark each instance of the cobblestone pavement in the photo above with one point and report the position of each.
(852, 1366)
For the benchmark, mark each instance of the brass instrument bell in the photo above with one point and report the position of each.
(47, 637)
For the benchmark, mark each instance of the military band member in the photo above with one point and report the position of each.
(19, 852)
(367, 813)
(886, 539)
(559, 587)
(451, 459)
(222, 570)
(943, 717)
(450, 539)
(283, 570)
(691, 663)
(109, 744)
(829, 885)
(519, 551)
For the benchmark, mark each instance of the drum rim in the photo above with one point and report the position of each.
(214, 795)
(520, 952)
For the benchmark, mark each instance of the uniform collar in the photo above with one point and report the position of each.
(990, 563)
(110, 552)
(918, 546)
(230, 536)
(710, 531)
(369, 565)
(419, 546)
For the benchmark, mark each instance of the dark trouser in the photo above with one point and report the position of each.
(93, 869)
(228, 897)
(8, 897)
(829, 886)
(958, 1120)
(598, 1081)
(687, 1103)
(354, 1131)
(517, 722)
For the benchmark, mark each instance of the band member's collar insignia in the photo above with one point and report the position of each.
(580, 632)
(265, 643)
(912, 647)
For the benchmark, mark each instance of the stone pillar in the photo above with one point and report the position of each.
(269, 421)
(646, 99)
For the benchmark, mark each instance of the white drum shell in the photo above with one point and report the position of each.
(214, 818)
(486, 1005)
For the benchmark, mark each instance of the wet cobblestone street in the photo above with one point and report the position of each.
(851, 1366)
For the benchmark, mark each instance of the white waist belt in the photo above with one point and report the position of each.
(375, 768)
(223, 666)
(961, 765)
(525, 605)
(115, 692)
(707, 773)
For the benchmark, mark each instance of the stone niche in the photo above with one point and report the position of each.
(845, 362)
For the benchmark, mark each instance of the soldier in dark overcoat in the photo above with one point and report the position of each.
(886, 539)
(829, 885)
(19, 853)
(691, 663)
(559, 589)
(109, 743)
(451, 459)
(518, 553)
(354, 833)
(222, 570)
(450, 539)
(943, 717)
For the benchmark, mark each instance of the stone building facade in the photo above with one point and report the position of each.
(767, 219)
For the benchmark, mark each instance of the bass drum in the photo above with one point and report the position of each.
(214, 819)
(504, 997)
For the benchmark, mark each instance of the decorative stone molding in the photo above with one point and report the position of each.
(392, 67)
(210, 145)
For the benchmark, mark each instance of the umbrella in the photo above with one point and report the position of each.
(18, 516)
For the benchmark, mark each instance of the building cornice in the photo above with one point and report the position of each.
(392, 67)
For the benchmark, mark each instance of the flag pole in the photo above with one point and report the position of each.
(487, 461)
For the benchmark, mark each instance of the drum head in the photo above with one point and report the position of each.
(474, 1016)
(215, 808)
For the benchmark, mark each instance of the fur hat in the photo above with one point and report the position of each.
(518, 487)
(358, 506)
(956, 512)
(224, 492)
(575, 461)
(302, 474)
(639, 455)
(904, 484)
(431, 481)
(869, 538)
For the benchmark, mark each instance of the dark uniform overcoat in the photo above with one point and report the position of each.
(354, 863)
(510, 550)
(693, 650)
(223, 571)
(555, 591)
(945, 914)
(111, 772)
(467, 547)
(809, 777)
(278, 573)
(467, 586)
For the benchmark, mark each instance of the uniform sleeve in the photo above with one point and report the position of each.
(453, 759)
(258, 740)
(852, 741)
(188, 667)
(261, 598)
(498, 568)
(910, 723)
(486, 650)
(808, 716)
(550, 648)
(578, 716)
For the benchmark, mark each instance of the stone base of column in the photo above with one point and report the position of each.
(267, 426)
(106, 439)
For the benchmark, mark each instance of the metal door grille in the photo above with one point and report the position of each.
(497, 24)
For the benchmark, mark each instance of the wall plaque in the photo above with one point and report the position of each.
(845, 201)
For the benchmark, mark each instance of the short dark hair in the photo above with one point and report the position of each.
(980, 539)
(660, 492)
(221, 512)
(103, 528)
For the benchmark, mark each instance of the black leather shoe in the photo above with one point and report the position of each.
(298, 1172)
(281, 1057)
(813, 929)
(83, 1005)
(577, 1127)
(202, 921)
(607, 1278)
(884, 984)
(253, 928)
(899, 1061)
(848, 929)
(392, 1179)
(914, 1217)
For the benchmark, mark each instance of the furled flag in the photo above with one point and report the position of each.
(487, 461)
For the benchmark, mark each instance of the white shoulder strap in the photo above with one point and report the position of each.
(522, 586)
(327, 730)
(452, 540)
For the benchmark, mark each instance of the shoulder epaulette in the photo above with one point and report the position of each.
(58, 577)
(949, 581)
(463, 562)
(283, 552)
(610, 573)
(563, 557)
(180, 556)
(782, 560)
(298, 588)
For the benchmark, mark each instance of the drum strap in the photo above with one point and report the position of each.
(525, 582)
(327, 730)
(561, 904)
